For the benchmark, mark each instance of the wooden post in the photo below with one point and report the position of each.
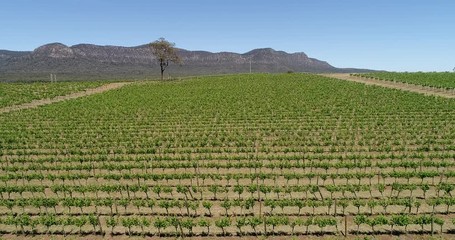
(378, 177)
(259, 196)
(432, 222)
(257, 180)
(345, 225)
(100, 225)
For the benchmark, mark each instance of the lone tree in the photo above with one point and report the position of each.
(164, 51)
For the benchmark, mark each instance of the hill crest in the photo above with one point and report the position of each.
(109, 61)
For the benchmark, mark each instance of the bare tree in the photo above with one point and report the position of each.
(165, 52)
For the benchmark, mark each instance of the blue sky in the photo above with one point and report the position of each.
(396, 35)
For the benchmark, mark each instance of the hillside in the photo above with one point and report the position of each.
(93, 61)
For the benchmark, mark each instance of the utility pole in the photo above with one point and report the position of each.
(53, 77)
(250, 66)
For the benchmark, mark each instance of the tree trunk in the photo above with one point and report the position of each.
(163, 66)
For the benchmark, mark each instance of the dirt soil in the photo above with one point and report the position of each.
(396, 85)
(41, 102)
(356, 237)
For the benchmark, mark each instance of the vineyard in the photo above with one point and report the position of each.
(233, 156)
(444, 80)
(17, 93)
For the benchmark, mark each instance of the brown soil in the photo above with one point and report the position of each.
(311, 237)
(396, 85)
(41, 102)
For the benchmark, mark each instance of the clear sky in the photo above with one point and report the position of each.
(398, 35)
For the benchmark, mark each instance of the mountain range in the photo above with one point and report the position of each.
(87, 61)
